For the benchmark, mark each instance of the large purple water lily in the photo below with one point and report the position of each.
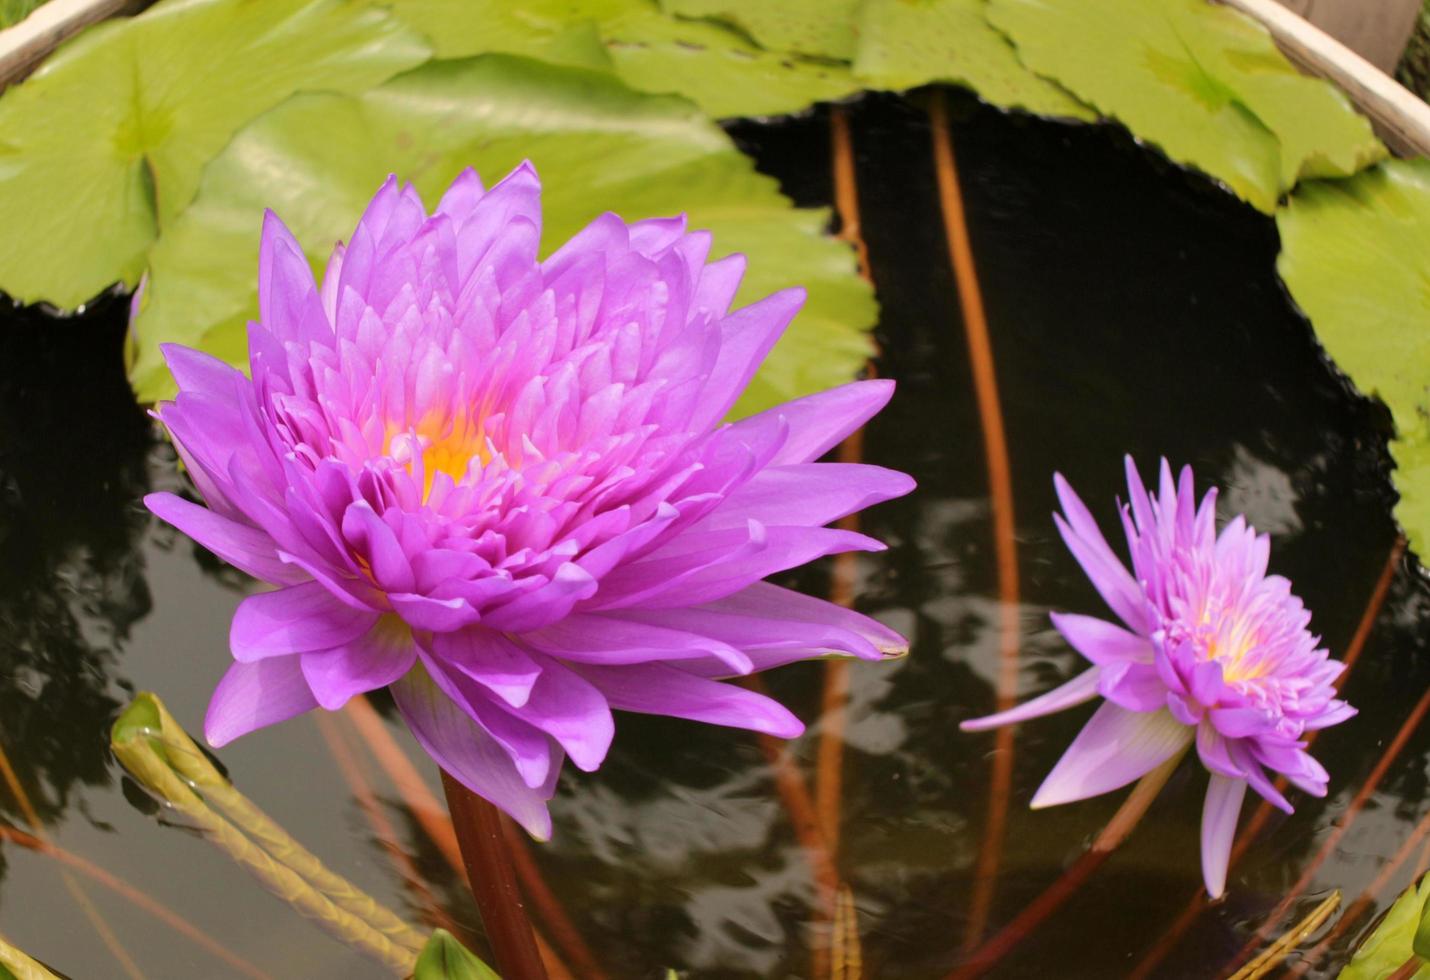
(502, 487)
(1210, 650)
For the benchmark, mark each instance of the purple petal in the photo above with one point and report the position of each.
(1134, 686)
(367, 663)
(769, 626)
(1219, 814)
(297, 619)
(193, 370)
(288, 302)
(1100, 641)
(729, 561)
(1241, 722)
(1214, 752)
(592, 638)
(490, 659)
(570, 710)
(817, 423)
(545, 605)
(246, 548)
(746, 336)
(1107, 574)
(1114, 748)
(1208, 684)
(369, 536)
(530, 750)
(808, 494)
(254, 695)
(472, 757)
(659, 689)
(1081, 688)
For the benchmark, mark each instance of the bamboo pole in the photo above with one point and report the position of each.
(31, 41)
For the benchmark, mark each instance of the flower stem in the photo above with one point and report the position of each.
(492, 878)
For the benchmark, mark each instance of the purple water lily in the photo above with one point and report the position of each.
(502, 487)
(1211, 649)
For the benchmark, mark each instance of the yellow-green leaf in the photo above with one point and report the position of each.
(105, 143)
(1201, 81)
(906, 43)
(1356, 258)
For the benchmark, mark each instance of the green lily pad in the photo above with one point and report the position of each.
(1355, 255)
(105, 143)
(1201, 81)
(1389, 948)
(443, 958)
(822, 28)
(907, 43)
(598, 146)
(716, 67)
(563, 32)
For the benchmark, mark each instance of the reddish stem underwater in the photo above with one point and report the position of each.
(1000, 486)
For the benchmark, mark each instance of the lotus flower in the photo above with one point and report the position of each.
(503, 487)
(1210, 649)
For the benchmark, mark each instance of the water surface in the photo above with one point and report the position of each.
(1133, 308)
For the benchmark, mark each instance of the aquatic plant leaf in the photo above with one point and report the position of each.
(823, 28)
(904, 44)
(599, 146)
(713, 65)
(104, 144)
(1354, 256)
(1420, 944)
(1388, 948)
(717, 68)
(160, 755)
(1201, 81)
(443, 958)
(563, 32)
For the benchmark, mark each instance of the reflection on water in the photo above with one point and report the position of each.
(72, 580)
(1133, 309)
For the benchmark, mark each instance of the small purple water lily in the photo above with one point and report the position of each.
(1211, 649)
(502, 487)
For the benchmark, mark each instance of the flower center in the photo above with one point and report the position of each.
(1233, 643)
(443, 444)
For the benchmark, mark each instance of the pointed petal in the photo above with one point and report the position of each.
(1114, 748)
(610, 640)
(471, 756)
(816, 423)
(1081, 688)
(297, 619)
(1134, 686)
(1107, 574)
(1219, 814)
(490, 659)
(246, 548)
(252, 696)
(746, 336)
(659, 689)
(570, 710)
(1101, 641)
(371, 661)
(807, 494)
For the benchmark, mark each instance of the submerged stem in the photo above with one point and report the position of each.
(22, 965)
(492, 878)
(1270, 957)
(155, 750)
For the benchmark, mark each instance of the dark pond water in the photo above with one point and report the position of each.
(1133, 308)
